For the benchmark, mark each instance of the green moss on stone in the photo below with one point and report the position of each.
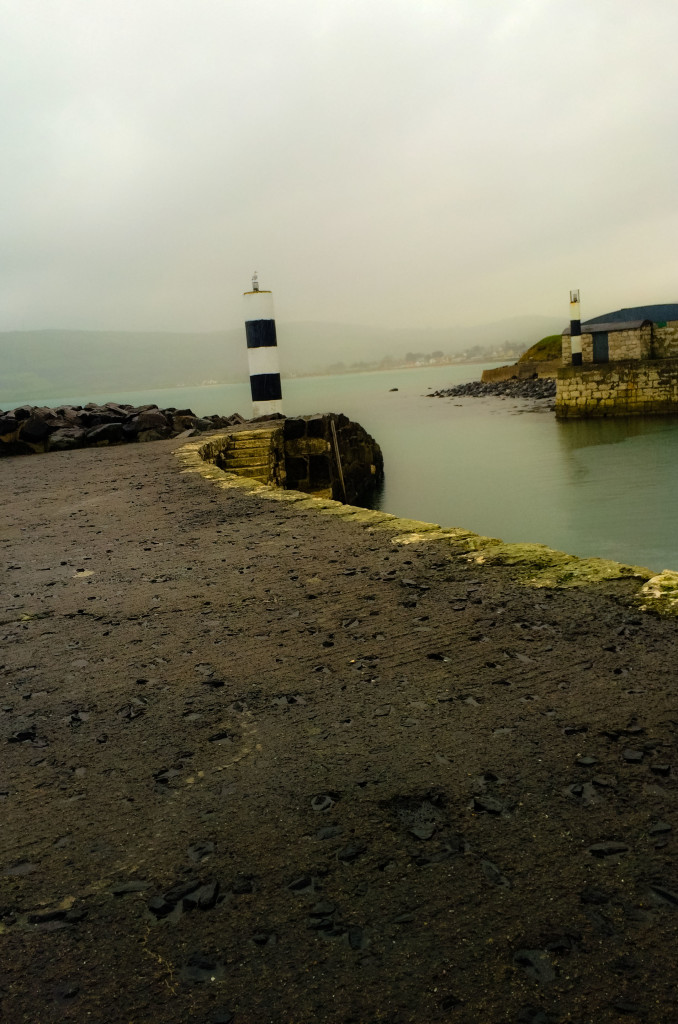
(660, 594)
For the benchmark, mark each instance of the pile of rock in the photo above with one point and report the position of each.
(30, 429)
(533, 388)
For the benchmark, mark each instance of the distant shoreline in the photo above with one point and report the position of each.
(7, 402)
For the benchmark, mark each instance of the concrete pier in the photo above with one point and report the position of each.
(265, 758)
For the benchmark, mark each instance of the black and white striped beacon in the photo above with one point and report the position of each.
(262, 351)
(575, 328)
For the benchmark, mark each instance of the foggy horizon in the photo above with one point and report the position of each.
(449, 164)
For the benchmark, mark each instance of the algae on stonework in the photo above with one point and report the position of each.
(660, 593)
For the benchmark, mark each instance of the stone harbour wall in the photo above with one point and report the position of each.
(312, 462)
(299, 453)
(627, 388)
(522, 371)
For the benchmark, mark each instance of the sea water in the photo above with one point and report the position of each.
(491, 465)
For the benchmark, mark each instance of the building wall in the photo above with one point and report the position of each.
(618, 389)
(635, 344)
(665, 341)
(632, 344)
(586, 349)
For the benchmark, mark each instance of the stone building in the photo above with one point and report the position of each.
(629, 365)
(642, 332)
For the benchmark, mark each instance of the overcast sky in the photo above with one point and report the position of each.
(386, 162)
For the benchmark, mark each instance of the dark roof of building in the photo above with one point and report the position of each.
(593, 327)
(658, 313)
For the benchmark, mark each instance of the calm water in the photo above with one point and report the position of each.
(606, 488)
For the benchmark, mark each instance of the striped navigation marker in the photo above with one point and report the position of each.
(575, 328)
(262, 351)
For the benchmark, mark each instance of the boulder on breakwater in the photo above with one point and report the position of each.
(29, 429)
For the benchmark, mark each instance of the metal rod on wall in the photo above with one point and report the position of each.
(338, 458)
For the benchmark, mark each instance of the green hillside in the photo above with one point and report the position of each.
(547, 349)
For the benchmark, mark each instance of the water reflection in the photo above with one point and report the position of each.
(574, 434)
(617, 499)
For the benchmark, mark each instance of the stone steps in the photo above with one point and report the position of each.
(249, 454)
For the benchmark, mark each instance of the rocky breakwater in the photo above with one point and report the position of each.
(535, 389)
(29, 429)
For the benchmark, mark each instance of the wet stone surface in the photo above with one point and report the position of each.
(260, 765)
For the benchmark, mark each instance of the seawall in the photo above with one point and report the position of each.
(623, 388)
(522, 370)
(326, 455)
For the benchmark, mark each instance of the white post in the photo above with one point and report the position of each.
(262, 352)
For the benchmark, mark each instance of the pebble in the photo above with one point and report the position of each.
(223, 736)
(45, 916)
(159, 907)
(596, 897)
(123, 888)
(536, 964)
(22, 867)
(424, 831)
(300, 884)
(181, 889)
(608, 849)
(199, 852)
(322, 909)
(351, 852)
(203, 898)
(488, 805)
(604, 781)
(532, 1015)
(202, 967)
(629, 1008)
(329, 832)
(320, 924)
(222, 1016)
(242, 885)
(632, 756)
(23, 736)
(322, 802)
(668, 896)
(494, 875)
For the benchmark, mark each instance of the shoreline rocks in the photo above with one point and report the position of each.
(534, 388)
(29, 429)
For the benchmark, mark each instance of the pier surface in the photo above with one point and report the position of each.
(261, 764)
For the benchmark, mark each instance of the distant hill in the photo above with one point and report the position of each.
(63, 362)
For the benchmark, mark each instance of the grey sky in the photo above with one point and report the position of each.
(381, 162)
